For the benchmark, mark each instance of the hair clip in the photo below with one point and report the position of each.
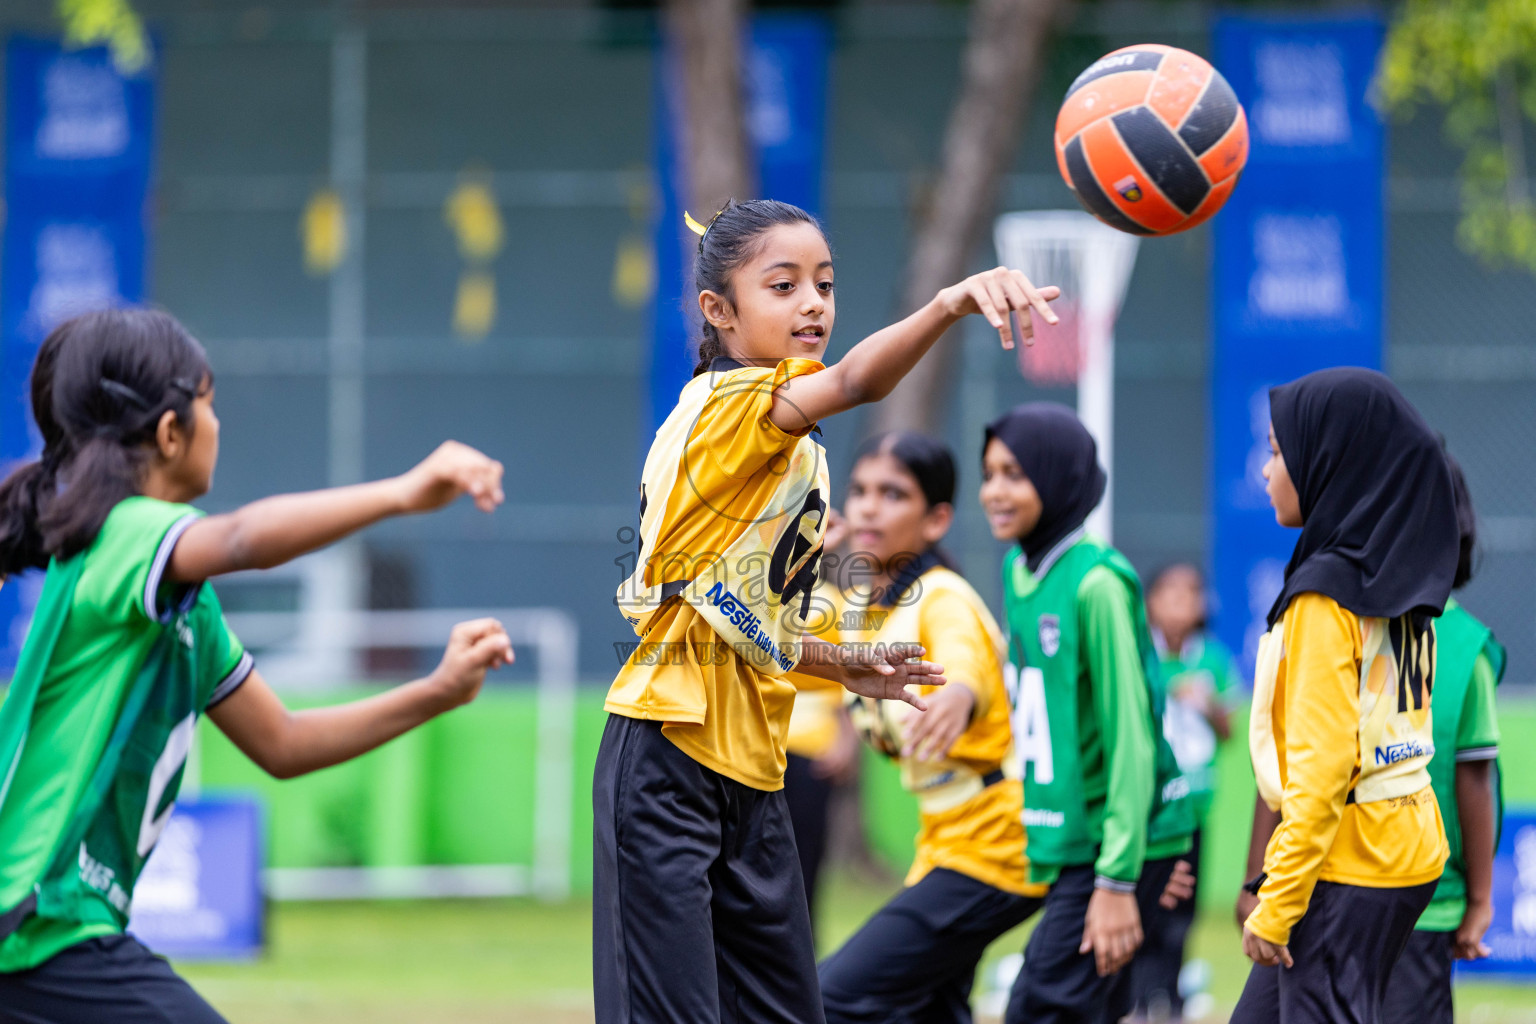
(701, 229)
(124, 392)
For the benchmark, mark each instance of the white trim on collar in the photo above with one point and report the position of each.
(1054, 555)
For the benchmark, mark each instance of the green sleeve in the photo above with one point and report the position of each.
(1477, 735)
(125, 565)
(222, 660)
(1124, 713)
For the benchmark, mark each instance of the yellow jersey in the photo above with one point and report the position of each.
(732, 515)
(971, 802)
(1341, 738)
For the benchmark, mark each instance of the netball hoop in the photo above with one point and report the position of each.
(1091, 263)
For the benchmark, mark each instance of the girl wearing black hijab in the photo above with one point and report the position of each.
(1340, 734)
(1105, 809)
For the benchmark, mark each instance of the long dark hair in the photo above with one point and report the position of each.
(1466, 523)
(732, 239)
(99, 387)
(928, 461)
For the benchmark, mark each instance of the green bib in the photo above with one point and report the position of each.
(96, 728)
(1055, 735)
(130, 795)
(1460, 638)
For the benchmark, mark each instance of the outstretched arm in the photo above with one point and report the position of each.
(883, 671)
(873, 367)
(287, 743)
(276, 530)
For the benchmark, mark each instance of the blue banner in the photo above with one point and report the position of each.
(1512, 935)
(200, 895)
(1297, 265)
(79, 139)
(784, 72)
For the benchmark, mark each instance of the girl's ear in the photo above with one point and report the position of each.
(937, 521)
(717, 311)
(170, 438)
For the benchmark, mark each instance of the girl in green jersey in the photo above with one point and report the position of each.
(1465, 776)
(1202, 682)
(1105, 808)
(128, 648)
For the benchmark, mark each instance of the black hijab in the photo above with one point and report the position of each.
(1379, 531)
(1061, 459)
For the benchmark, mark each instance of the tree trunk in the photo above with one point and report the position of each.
(710, 127)
(1002, 64)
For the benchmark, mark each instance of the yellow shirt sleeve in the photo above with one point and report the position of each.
(735, 429)
(1320, 708)
(955, 638)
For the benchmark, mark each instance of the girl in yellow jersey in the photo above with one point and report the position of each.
(1341, 735)
(699, 913)
(915, 959)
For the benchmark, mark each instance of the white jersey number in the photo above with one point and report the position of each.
(177, 746)
(1031, 727)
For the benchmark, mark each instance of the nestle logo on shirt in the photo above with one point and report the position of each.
(1402, 752)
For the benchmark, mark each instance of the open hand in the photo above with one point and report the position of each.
(997, 295)
(1111, 930)
(473, 648)
(1265, 953)
(1180, 887)
(931, 734)
(452, 470)
(884, 671)
(1468, 942)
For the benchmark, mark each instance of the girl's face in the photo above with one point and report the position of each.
(1008, 497)
(887, 514)
(187, 458)
(1176, 605)
(1282, 493)
(783, 306)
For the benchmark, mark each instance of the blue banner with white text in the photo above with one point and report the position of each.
(79, 138)
(1297, 266)
(784, 72)
(200, 895)
(1511, 936)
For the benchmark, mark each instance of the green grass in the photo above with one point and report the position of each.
(484, 961)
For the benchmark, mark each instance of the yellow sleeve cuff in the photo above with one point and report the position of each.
(1261, 922)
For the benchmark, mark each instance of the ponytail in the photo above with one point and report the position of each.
(24, 491)
(21, 543)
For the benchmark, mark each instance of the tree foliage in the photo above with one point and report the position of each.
(110, 23)
(1475, 59)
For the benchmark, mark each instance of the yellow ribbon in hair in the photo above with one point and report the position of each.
(694, 225)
